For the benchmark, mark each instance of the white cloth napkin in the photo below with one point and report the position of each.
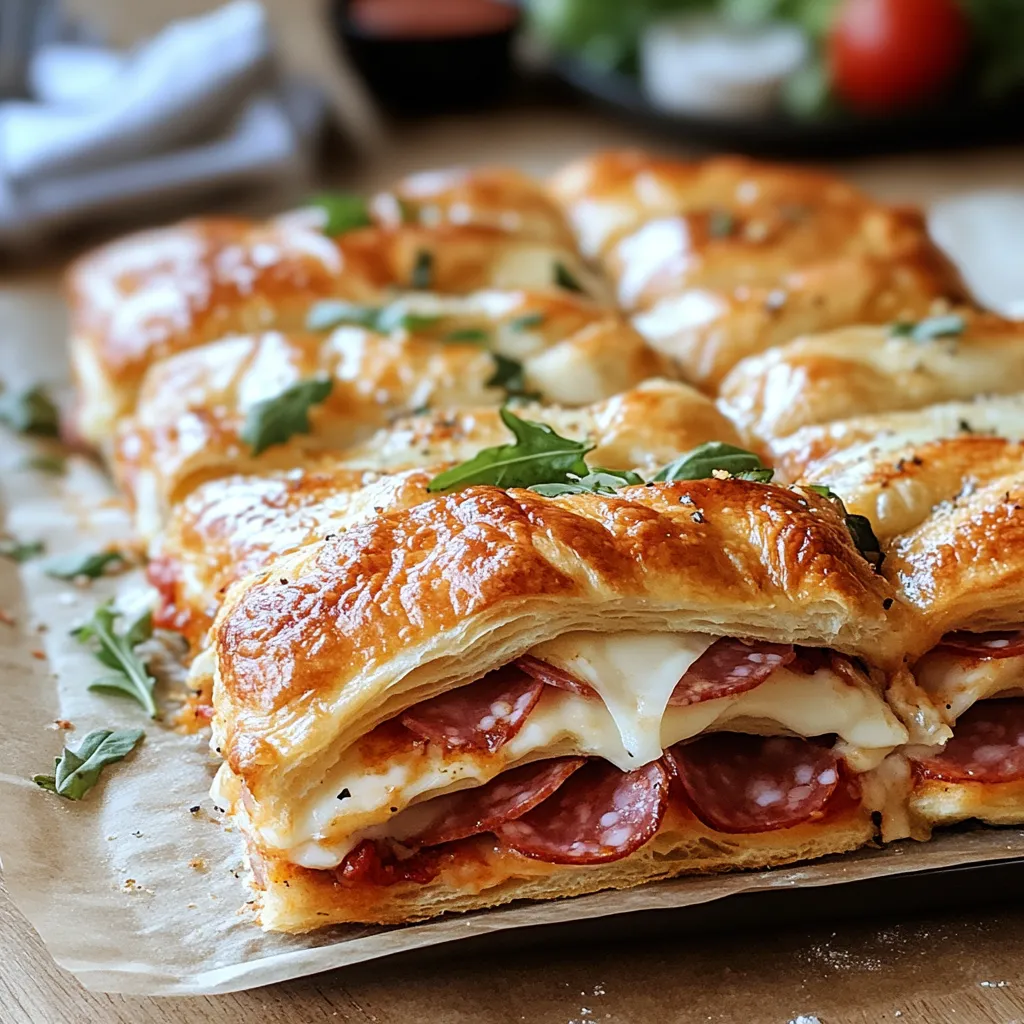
(196, 108)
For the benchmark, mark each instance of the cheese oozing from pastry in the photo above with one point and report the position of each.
(956, 681)
(631, 725)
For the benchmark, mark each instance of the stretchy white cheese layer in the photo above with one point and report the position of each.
(955, 682)
(636, 674)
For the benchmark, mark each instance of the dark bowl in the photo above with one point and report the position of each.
(418, 75)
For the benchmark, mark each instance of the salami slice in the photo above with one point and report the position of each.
(484, 808)
(729, 666)
(1000, 644)
(736, 783)
(484, 715)
(987, 745)
(599, 815)
(551, 676)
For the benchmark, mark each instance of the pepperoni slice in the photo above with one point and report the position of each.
(736, 783)
(482, 716)
(1005, 644)
(551, 676)
(987, 745)
(504, 798)
(729, 666)
(600, 815)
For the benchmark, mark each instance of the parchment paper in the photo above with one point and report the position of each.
(130, 890)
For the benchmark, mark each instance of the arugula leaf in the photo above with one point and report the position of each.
(510, 375)
(538, 456)
(705, 459)
(930, 328)
(55, 464)
(422, 270)
(721, 223)
(77, 771)
(861, 531)
(526, 322)
(343, 212)
(70, 567)
(330, 313)
(565, 278)
(117, 651)
(20, 551)
(274, 420)
(597, 481)
(467, 334)
(30, 412)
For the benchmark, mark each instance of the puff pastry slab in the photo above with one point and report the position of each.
(864, 370)
(728, 257)
(229, 527)
(160, 292)
(323, 660)
(189, 425)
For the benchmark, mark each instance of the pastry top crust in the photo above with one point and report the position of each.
(154, 294)
(608, 195)
(859, 370)
(322, 646)
(963, 567)
(235, 525)
(870, 437)
(897, 488)
(192, 409)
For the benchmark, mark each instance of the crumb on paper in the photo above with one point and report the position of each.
(131, 885)
(197, 864)
(191, 906)
(62, 724)
(110, 839)
(38, 654)
(993, 984)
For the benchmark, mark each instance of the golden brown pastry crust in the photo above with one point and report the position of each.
(946, 803)
(192, 410)
(481, 874)
(315, 650)
(861, 370)
(727, 257)
(847, 441)
(963, 567)
(235, 525)
(151, 295)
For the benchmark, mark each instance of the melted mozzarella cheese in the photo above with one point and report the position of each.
(634, 674)
(631, 726)
(955, 682)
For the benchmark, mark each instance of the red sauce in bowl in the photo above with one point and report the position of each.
(431, 19)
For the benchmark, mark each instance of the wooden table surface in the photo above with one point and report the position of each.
(952, 968)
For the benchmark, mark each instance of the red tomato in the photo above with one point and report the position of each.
(893, 53)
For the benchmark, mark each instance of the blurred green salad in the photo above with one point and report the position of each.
(810, 57)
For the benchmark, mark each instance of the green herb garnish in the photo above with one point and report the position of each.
(597, 481)
(860, 528)
(721, 223)
(538, 456)
(472, 335)
(55, 464)
(77, 771)
(930, 328)
(30, 412)
(422, 276)
(702, 462)
(274, 420)
(565, 278)
(343, 212)
(510, 375)
(20, 551)
(71, 567)
(117, 651)
(526, 322)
